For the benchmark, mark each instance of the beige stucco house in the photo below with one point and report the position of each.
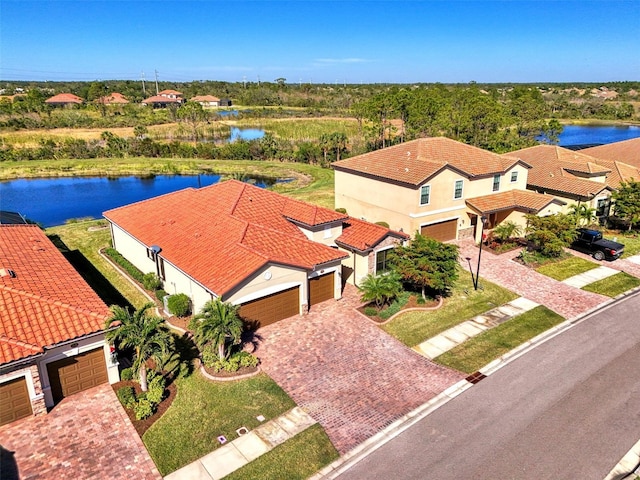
(51, 327)
(275, 256)
(438, 187)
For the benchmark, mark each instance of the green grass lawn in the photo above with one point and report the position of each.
(478, 351)
(614, 285)
(566, 268)
(413, 328)
(203, 410)
(631, 242)
(296, 459)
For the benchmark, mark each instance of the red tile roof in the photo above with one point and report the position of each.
(112, 99)
(205, 98)
(555, 168)
(627, 151)
(64, 98)
(522, 200)
(222, 234)
(47, 302)
(364, 236)
(161, 99)
(415, 161)
(170, 92)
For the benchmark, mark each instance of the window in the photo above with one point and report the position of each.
(514, 176)
(151, 254)
(457, 192)
(327, 231)
(425, 192)
(602, 207)
(496, 183)
(381, 261)
(160, 268)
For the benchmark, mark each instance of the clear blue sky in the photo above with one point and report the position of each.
(321, 41)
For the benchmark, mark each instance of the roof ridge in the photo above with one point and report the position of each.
(19, 343)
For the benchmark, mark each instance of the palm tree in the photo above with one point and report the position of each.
(146, 334)
(506, 230)
(218, 323)
(380, 289)
(584, 214)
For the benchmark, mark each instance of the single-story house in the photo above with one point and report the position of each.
(52, 341)
(164, 98)
(207, 100)
(275, 256)
(114, 98)
(63, 100)
(438, 187)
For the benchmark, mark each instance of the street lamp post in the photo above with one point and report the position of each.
(483, 219)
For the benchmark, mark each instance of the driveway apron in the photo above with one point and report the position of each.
(563, 299)
(86, 436)
(348, 374)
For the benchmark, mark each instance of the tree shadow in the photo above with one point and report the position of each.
(250, 336)
(8, 465)
(103, 288)
(181, 361)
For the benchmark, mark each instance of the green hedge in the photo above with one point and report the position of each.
(129, 267)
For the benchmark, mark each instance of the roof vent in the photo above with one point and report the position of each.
(155, 249)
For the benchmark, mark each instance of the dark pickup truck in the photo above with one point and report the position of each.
(591, 241)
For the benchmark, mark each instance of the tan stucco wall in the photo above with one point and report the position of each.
(326, 236)
(132, 249)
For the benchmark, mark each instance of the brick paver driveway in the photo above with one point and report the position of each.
(347, 373)
(568, 301)
(86, 436)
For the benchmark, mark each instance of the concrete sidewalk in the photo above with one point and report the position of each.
(590, 276)
(236, 454)
(462, 332)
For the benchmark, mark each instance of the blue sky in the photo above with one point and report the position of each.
(348, 41)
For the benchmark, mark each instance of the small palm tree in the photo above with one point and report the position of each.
(146, 334)
(506, 230)
(218, 323)
(381, 289)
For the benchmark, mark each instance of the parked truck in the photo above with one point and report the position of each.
(592, 242)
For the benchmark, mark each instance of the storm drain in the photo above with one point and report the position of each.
(475, 377)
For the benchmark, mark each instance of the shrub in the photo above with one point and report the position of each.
(127, 396)
(156, 388)
(341, 210)
(236, 361)
(160, 294)
(371, 311)
(383, 224)
(420, 300)
(179, 304)
(209, 355)
(143, 409)
(151, 281)
(247, 360)
(126, 374)
(129, 267)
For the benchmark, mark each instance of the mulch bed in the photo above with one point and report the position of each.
(412, 303)
(241, 371)
(142, 426)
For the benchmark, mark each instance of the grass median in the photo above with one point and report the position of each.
(614, 285)
(563, 269)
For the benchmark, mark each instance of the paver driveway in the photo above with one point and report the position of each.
(568, 301)
(347, 373)
(86, 436)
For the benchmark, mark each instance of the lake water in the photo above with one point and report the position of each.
(589, 135)
(245, 134)
(51, 201)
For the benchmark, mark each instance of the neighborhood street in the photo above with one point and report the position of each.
(568, 409)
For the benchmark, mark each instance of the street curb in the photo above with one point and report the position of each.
(370, 445)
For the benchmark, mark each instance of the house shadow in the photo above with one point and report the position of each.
(103, 288)
(8, 465)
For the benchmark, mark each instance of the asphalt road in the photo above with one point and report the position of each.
(567, 409)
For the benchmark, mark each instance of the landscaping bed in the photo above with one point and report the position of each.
(403, 302)
(142, 426)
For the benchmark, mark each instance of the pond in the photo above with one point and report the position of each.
(245, 134)
(53, 201)
(597, 134)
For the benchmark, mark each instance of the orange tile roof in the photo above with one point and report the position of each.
(64, 98)
(415, 161)
(205, 98)
(627, 151)
(161, 99)
(522, 200)
(553, 167)
(47, 302)
(247, 225)
(170, 92)
(113, 98)
(364, 236)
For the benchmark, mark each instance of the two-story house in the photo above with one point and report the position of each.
(438, 187)
(275, 256)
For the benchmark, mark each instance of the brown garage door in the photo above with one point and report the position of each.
(75, 374)
(320, 288)
(272, 308)
(442, 231)
(14, 401)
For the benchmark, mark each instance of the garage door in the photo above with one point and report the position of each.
(321, 288)
(272, 308)
(75, 374)
(441, 231)
(14, 401)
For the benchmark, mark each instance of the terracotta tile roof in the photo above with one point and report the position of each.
(161, 99)
(170, 92)
(64, 98)
(553, 169)
(113, 99)
(205, 98)
(415, 161)
(522, 200)
(47, 301)
(364, 236)
(627, 151)
(246, 224)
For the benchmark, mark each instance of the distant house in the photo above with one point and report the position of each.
(438, 187)
(63, 100)
(207, 100)
(164, 99)
(114, 98)
(274, 256)
(51, 330)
